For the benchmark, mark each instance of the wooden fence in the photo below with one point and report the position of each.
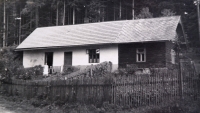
(137, 90)
(126, 91)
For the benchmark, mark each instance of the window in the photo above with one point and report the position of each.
(141, 55)
(93, 55)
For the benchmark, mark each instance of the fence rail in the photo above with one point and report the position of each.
(127, 91)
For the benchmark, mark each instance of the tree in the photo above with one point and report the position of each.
(190, 21)
(33, 6)
(144, 13)
(75, 4)
(4, 22)
(38, 13)
(167, 12)
(96, 10)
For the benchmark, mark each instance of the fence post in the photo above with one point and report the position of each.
(91, 69)
(180, 77)
(110, 66)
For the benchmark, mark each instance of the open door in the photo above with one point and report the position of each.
(68, 59)
(49, 58)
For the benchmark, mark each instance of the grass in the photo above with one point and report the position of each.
(21, 105)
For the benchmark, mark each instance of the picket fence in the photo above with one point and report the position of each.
(126, 91)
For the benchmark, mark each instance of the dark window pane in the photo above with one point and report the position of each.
(97, 58)
(139, 57)
(142, 57)
(90, 58)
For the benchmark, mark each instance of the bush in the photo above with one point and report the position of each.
(69, 69)
(10, 60)
(28, 73)
(101, 69)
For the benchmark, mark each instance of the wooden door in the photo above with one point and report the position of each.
(68, 58)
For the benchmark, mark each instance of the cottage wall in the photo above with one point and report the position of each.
(33, 58)
(79, 56)
(107, 53)
(155, 54)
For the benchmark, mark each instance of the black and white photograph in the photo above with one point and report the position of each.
(99, 56)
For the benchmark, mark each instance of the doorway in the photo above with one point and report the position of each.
(68, 59)
(49, 58)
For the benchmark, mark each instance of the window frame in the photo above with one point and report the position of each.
(138, 52)
(93, 55)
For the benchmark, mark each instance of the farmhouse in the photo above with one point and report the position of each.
(144, 42)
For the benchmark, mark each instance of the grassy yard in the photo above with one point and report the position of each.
(15, 104)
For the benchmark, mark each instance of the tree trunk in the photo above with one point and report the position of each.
(120, 9)
(133, 10)
(31, 20)
(69, 9)
(198, 16)
(20, 28)
(4, 24)
(73, 15)
(99, 11)
(14, 16)
(57, 14)
(36, 17)
(114, 9)
(50, 17)
(103, 15)
(6, 41)
(64, 14)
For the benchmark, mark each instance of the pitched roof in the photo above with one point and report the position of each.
(141, 30)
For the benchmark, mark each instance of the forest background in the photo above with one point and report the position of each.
(21, 17)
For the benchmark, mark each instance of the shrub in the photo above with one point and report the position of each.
(10, 60)
(28, 73)
(69, 69)
(129, 70)
(101, 69)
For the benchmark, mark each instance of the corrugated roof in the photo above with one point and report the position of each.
(141, 30)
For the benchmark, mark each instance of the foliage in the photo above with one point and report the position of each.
(11, 65)
(69, 69)
(101, 69)
(167, 12)
(144, 13)
(10, 61)
(42, 13)
(29, 73)
(31, 5)
(94, 10)
(178, 106)
(109, 10)
(185, 8)
(129, 70)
